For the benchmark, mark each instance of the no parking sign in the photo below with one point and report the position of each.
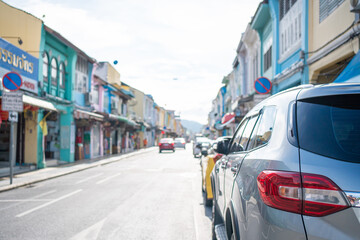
(262, 85)
(12, 81)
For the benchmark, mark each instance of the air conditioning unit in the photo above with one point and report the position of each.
(355, 6)
(88, 98)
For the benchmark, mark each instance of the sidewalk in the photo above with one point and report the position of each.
(23, 179)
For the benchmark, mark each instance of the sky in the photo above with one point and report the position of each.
(178, 51)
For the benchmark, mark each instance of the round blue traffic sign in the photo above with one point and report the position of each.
(262, 85)
(12, 81)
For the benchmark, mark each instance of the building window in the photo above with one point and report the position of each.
(95, 94)
(45, 67)
(106, 101)
(62, 76)
(267, 59)
(54, 72)
(81, 75)
(284, 7)
(290, 26)
(326, 7)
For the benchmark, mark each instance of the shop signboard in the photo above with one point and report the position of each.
(13, 59)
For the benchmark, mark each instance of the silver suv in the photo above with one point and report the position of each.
(292, 168)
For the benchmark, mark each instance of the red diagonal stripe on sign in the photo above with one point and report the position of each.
(262, 84)
(12, 81)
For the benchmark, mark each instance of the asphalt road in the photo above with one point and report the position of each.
(149, 196)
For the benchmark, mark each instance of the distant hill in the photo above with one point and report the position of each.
(192, 126)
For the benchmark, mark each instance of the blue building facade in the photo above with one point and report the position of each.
(290, 43)
(263, 24)
(56, 70)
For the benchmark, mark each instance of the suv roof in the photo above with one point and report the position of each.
(329, 89)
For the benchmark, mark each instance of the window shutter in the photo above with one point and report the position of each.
(326, 7)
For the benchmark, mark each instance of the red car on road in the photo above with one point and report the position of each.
(166, 144)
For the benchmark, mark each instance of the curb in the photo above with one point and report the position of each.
(97, 163)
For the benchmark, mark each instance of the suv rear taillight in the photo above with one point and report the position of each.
(308, 194)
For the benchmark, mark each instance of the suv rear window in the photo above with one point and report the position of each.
(330, 126)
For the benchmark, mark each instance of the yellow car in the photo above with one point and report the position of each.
(207, 163)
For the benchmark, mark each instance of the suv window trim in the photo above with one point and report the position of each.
(257, 125)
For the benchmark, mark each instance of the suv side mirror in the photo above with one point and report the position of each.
(204, 152)
(222, 146)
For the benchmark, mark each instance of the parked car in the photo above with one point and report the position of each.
(180, 143)
(207, 163)
(197, 145)
(292, 168)
(166, 144)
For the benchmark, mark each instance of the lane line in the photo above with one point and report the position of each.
(25, 200)
(44, 194)
(108, 178)
(20, 202)
(48, 203)
(89, 178)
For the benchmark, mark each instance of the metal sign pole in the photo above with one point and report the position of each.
(12, 153)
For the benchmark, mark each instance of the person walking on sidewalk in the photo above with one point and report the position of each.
(145, 142)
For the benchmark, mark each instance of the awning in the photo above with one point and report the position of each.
(352, 71)
(117, 117)
(127, 92)
(228, 118)
(39, 103)
(132, 123)
(85, 114)
(146, 125)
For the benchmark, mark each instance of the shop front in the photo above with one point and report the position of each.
(87, 144)
(13, 59)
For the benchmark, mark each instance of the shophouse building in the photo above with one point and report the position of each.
(84, 117)
(20, 52)
(112, 98)
(332, 42)
(149, 119)
(262, 22)
(57, 65)
(290, 42)
(248, 57)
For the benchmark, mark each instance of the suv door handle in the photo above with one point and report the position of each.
(235, 168)
(223, 164)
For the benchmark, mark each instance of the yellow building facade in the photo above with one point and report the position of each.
(331, 40)
(16, 24)
(23, 30)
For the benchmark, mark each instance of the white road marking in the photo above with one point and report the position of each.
(20, 201)
(108, 178)
(48, 203)
(44, 194)
(25, 200)
(90, 233)
(89, 178)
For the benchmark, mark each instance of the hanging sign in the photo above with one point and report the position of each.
(12, 101)
(262, 85)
